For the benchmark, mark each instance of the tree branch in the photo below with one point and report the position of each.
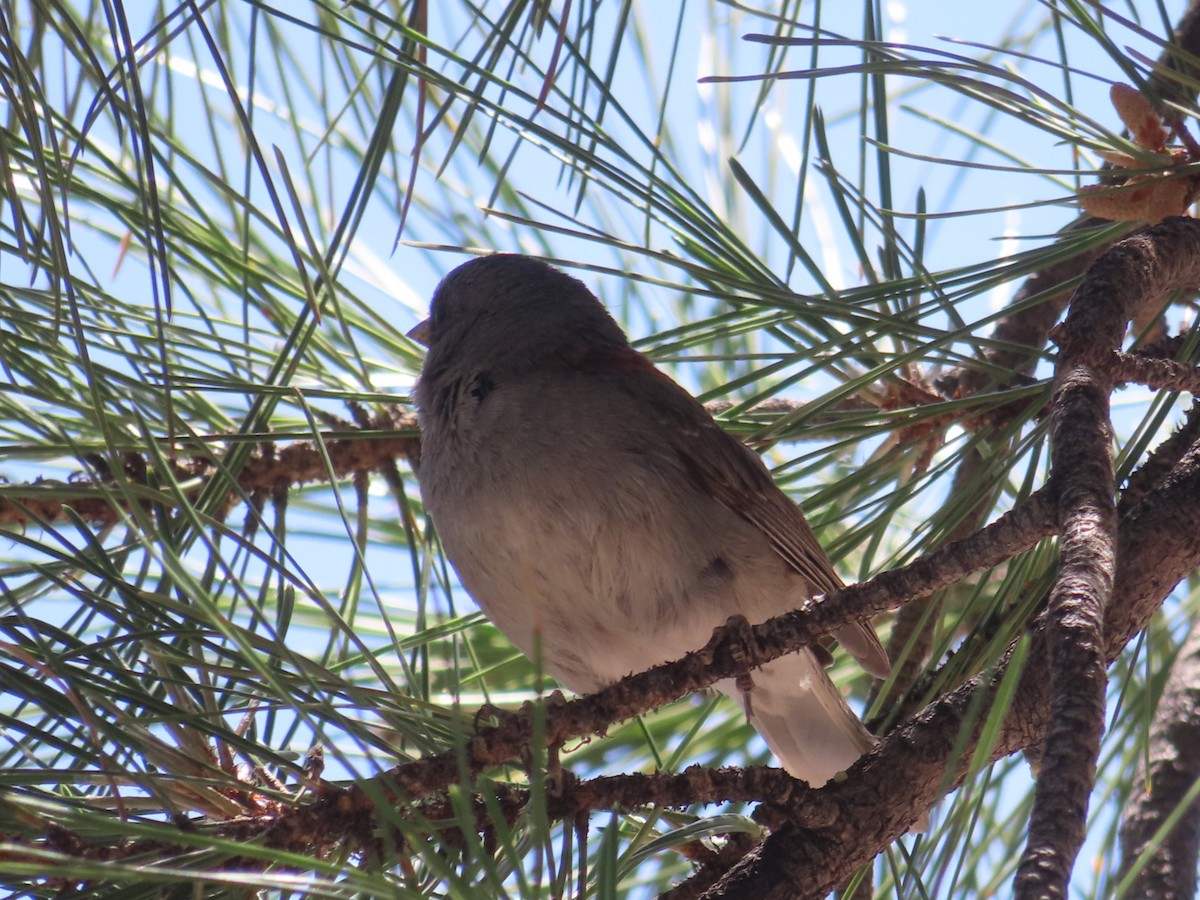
(1163, 867)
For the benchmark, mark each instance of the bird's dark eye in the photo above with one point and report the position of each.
(436, 313)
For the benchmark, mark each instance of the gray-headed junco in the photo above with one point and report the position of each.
(600, 517)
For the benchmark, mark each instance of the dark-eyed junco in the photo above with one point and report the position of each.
(600, 516)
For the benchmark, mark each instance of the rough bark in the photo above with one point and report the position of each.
(1168, 871)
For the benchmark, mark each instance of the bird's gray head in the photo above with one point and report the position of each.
(510, 311)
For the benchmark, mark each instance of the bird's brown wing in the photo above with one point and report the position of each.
(734, 475)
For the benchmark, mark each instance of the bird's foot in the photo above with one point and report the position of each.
(737, 635)
(486, 712)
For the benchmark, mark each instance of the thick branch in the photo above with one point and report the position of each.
(1074, 619)
(1144, 266)
(1168, 869)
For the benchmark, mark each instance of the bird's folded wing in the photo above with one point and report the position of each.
(736, 477)
(732, 474)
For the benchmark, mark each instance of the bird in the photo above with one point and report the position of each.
(601, 518)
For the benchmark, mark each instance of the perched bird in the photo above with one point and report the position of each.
(599, 515)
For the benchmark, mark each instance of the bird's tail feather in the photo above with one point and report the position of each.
(804, 718)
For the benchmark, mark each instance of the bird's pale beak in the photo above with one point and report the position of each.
(420, 333)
